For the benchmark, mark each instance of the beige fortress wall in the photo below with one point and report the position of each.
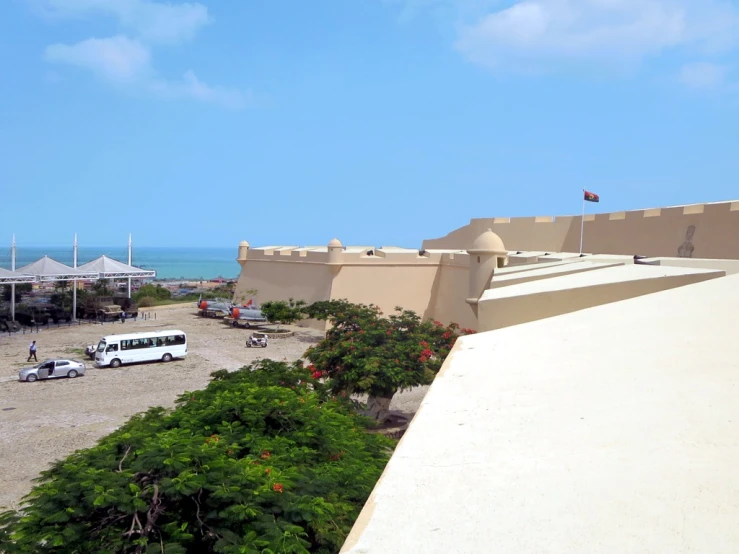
(278, 280)
(433, 285)
(448, 294)
(386, 286)
(653, 232)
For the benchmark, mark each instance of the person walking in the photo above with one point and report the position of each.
(32, 352)
(123, 316)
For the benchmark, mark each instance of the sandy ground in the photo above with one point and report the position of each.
(43, 421)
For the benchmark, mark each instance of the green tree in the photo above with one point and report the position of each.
(365, 352)
(263, 460)
(157, 292)
(20, 289)
(283, 313)
(102, 287)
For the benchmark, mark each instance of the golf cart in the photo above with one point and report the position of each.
(257, 340)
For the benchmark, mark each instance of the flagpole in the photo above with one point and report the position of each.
(582, 220)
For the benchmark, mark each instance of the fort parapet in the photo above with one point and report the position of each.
(709, 230)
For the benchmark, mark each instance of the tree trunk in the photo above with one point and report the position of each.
(378, 407)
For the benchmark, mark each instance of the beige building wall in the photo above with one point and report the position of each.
(386, 286)
(276, 280)
(447, 303)
(433, 284)
(698, 231)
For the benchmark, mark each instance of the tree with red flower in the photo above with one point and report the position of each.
(366, 352)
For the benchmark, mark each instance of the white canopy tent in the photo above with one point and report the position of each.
(108, 268)
(11, 277)
(47, 269)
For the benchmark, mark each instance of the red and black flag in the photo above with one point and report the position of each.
(591, 196)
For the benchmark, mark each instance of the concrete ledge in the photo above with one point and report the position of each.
(545, 298)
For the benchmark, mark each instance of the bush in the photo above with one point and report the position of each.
(146, 302)
(260, 461)
(365, 352)
(158, 292)
(284, 313)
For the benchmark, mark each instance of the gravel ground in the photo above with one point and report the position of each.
(43, 421)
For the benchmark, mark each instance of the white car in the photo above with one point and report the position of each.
(53, 369)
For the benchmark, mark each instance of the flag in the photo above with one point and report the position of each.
(591, 196)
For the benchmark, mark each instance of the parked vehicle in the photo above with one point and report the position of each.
(109, 313)
(258, 340)
(242, 316)
(90, 350)
(58, 314)
(214, 308)
(53, 369)
(92, 305)
(8, 325)
(164, 346)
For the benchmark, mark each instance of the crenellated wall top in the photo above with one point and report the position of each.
(359, 255)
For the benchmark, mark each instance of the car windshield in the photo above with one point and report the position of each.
(101, 346)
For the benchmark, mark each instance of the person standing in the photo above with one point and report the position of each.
(123, 316)
(32, 352)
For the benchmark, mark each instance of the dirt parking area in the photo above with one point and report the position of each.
(47, 420)
(43, 421)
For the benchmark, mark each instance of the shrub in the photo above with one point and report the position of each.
(146, 302)
(284, 313)
(260, 461)
(365, 352)
(158, 292)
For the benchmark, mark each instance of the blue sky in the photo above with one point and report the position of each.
(377, 121)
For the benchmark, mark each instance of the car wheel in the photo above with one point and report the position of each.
(115, 363)
(167, 358)
(72, 374)
(31, 378)
(248, 345)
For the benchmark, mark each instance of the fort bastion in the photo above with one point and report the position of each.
(596, 410)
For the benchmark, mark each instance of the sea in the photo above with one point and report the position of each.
(170, 263)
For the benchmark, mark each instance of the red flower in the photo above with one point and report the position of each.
(447, 335)
(265, 455)
(316, 374)
(267, 471)
(277, 487)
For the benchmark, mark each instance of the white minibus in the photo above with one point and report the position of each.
(129, 348)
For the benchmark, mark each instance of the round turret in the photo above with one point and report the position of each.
(335, 249)
(486, 254)
(243, 252)
(488, 243)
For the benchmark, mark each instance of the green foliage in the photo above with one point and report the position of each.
(365, 352)
(157, 292)
(261, 461)
(20, 289)
(146, 302)
(102, 287)
(283, 312)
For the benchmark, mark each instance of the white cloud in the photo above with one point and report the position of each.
(604, 35)
(539, 31)
(702, 74)
(117, 59)
(127, 64)
(152, 22)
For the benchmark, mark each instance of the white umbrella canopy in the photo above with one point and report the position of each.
(108, 268)
(9, 277)
(48, 269)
